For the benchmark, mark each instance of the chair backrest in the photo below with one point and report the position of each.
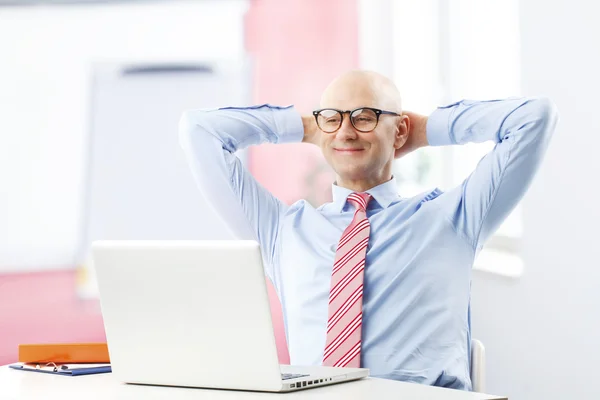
(477, 366)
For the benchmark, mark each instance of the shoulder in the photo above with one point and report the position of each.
(303, 205)
(422, 198)
(430, 195)
(298, 206)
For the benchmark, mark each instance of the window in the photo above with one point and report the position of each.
(443, 51)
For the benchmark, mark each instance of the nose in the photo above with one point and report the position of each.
(346, 131)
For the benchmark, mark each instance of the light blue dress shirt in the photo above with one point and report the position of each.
(416, 311)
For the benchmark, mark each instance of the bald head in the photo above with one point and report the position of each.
(362, 88)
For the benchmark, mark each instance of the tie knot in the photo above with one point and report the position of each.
(360, 200)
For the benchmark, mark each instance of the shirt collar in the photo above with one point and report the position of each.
(385, 194)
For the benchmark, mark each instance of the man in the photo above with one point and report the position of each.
(373, 279)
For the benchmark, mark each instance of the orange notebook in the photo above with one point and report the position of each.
(64, 353)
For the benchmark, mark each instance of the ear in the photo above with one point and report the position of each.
(402, 130)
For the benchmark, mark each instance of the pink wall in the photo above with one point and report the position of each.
(298, 47)
(44, 308)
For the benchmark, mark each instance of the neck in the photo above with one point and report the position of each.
(361, 185)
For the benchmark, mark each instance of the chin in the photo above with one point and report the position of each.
(352, 172)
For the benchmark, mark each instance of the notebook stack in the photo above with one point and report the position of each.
(69, 359)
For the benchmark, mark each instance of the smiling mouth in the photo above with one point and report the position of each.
(348, 150)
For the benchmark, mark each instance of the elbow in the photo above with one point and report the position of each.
(185, 128)
(196, 139)
(190, 123)
(546, 108)
(546, 114)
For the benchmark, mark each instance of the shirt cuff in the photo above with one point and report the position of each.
(289, 125)
(438, 126)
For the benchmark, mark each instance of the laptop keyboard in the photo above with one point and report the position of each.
(291, 376)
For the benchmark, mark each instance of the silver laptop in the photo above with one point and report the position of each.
(195, 314)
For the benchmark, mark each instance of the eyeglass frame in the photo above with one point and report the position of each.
(377, 112)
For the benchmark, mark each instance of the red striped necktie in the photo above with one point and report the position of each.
(343, 345)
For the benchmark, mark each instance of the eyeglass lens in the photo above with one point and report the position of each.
(363, 119)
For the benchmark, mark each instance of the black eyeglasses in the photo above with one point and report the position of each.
(364, 119)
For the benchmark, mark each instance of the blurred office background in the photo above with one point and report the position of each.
(91, 93)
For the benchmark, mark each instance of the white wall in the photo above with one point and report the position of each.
(541, 331)
(45, 58)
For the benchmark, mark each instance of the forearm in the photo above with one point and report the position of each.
(470, 121)
(239, 127)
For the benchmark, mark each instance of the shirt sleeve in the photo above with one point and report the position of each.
(210, 138)
(521, 129)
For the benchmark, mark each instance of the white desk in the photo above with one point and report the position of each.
(22, 385)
